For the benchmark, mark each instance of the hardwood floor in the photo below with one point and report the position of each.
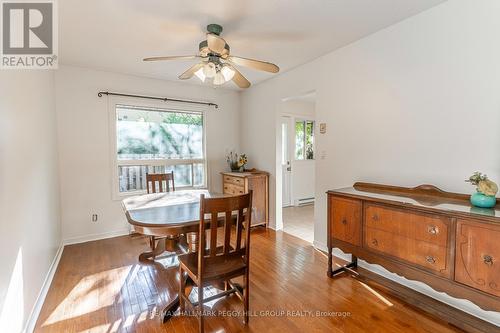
(101, 287)
(299, 222)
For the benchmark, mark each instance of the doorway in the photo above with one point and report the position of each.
(297, 152)
(286, 168)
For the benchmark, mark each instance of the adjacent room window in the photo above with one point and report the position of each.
(151, 140)
(304, 139)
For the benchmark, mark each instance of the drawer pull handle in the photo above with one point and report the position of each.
(375, 217)
(344, 221)
(433, 230)
(488, 260)
(375, 242)
(430, 259)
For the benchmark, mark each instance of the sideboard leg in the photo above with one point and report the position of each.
(345, 268)
(330, 262)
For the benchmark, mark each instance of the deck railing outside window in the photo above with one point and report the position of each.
(157, 141)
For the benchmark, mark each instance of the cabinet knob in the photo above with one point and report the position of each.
(375, 242)
(433, 230)
(430, 259)
(344, 221)
(488, 260)
(375, 217)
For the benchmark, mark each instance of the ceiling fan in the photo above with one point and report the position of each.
(216, 62)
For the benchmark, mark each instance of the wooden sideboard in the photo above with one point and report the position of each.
(242, 182)
(422, 234)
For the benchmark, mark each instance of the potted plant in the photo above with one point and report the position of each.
(236, 162)
(486, 190)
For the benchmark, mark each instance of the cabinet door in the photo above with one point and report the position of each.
(478, 256)
(346, 220)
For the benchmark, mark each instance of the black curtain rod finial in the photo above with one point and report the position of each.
(164, 99)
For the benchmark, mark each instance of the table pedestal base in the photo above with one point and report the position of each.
(169, 243)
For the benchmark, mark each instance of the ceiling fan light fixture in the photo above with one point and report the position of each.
(200, 74)
(217, 64)
(209, 70)
(219, 79)
(227, 72)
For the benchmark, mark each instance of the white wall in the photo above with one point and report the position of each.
(303, 171)
(415, 103)
(29, 191)
(85, 159)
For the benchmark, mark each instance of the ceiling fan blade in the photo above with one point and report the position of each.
(171, 58)
(215, 43)
(255, 64)
(190, 72)
(240, 80)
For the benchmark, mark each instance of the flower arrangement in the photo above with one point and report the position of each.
(236, 162)
(486, 190)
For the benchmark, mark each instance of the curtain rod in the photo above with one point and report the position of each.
(165, 99)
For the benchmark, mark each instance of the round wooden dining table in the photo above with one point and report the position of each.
(174, 218)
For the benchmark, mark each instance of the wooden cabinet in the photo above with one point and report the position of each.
(478, 256)
(241, 182)
(423, 234)
(346, 220)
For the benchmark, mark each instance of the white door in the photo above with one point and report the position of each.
(286, 167)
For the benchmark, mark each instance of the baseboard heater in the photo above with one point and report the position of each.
(305, 201)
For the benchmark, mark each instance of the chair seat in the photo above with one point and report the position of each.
(218, 267)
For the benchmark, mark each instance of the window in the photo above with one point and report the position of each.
(304, 139)
(153, 140)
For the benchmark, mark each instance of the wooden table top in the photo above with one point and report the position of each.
(170, 209)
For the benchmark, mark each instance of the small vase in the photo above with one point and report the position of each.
(235, 167)
(478, 199)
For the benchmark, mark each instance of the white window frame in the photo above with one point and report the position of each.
(113, 102)
(303, 120)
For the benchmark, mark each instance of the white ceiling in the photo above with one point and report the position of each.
(115, 35)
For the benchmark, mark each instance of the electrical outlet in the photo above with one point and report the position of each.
(94, 217)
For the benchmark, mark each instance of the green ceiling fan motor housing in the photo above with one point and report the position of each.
(216, 30)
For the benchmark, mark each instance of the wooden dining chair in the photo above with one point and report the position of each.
(159, 178)
(220, 261)
(153, 179)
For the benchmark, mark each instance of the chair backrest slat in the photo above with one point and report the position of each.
(153, 178)
(227, 231)
(234, 209)
(239, 228)
(213, 233)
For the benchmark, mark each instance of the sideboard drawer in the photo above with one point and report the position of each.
(234, 180)
(428, 255)
(346, 219)
(424, 227)
(477, 262)
(233, 189)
